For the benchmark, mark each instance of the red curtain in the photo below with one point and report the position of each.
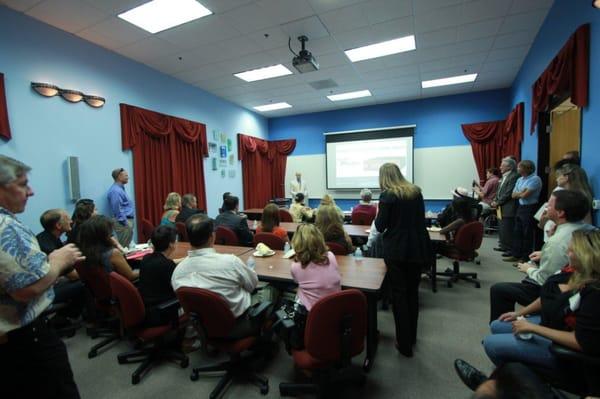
(568, 72)
(492, 141)
(4, 126)
(263, 168)
(167, 156)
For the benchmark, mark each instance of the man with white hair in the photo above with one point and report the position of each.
(298, 186)
(505, 203)
(34, 360)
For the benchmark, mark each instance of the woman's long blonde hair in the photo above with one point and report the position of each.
(585, 244)
(327, 200)
(328, 221)
(309, 244)
(392, 180)
(173, 201)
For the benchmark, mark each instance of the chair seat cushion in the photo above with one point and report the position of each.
(151, 333)
(305, 361)
(233, 346)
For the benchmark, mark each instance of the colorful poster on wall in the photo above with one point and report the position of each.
(223, 173)
(231, 173)
(212, 148)
(223, 138)
(222, 163)
(214, 163)
(223, 151)
(231, 159)
(215, 135)
(229, 145)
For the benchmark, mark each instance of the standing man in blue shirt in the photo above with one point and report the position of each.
(121, 207)
(527, 193)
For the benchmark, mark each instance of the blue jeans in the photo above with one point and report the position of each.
(503, 346)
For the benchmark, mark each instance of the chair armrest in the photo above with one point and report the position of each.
(259, 309)
(565, 353)
(171, 303)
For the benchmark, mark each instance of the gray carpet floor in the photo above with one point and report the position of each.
(452, 323)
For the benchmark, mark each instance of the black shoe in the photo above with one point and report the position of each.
(468, 374)
(506, 254)
(510, 259)
(499, 249)
(408, 352)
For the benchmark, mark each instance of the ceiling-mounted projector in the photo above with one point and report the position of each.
(304, 62)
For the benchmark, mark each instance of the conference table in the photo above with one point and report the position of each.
(364, 274)
(353, 230)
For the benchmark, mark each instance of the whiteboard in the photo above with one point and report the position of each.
(437, 170)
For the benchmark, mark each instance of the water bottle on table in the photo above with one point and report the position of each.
(358, 255)
(251, 262)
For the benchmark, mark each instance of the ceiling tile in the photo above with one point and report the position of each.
(523, 21)
(113, 33)
(393, 29)
(437, 19)
(321, 6)
(475, 11)
(507, 53)
(311, 27)
(502, 65)
(332, 60)
(20, 5)
(515, 39)
(529, 5)
(71, 15)
(436, 38)
(147, 49)
(479, 30)
(345, 19)
(378, 11)
(114, 7)
(210, 29)
(424, 6)
(283, 11)
(220, 6)
(202, 73)
(248, 18)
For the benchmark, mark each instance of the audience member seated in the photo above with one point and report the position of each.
(570, 157)
(171, 207)
(230, 218)
(328, 221)
(570, 315)
(566, 208)
(374, 246)
(156, 271)
(365, 204)
(84, 209)
(189, 207)
(223, 274)
(328, 200)
(55, 222)
(487, 193)
(462, 212)
(299, 211)
(98, 247)
(225, 195)
(527, 193)
(269, 223)
(460, 196)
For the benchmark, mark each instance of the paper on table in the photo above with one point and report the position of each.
(434, 228)
(289, 254)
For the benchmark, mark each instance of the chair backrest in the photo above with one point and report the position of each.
(181, 231)
(325, 325)
(285, 215)
(270, 240)
(469, 237)
(209, 309)
(361, 217)
(337, 249)
(226, 236)
(129, 300)
(96, 280)
(147, 229)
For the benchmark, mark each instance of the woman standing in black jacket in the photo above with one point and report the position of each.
(406, 247)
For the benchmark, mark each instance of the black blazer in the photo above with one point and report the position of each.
(402, 221)
(507, 204)
(238, 224)
(185, 213)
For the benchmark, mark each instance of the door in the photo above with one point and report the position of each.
(565, 134)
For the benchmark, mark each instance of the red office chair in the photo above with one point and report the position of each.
(362, 217)
(101, 306)
(270, 240)
(213, 320)
(147, 229)
(182, 232)
(285, 215)
(132, 310)
(226, 236)
(335, 332)
(337, 249)
(466, 242)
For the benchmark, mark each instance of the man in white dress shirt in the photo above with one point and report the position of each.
(299, 186)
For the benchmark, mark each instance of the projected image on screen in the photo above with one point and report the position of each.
(353, 162)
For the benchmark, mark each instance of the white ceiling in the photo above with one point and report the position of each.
(488, 37)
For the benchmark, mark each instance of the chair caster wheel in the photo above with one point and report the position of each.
(264, 390)
(135, 380)
(478, 262)
(185, 363)
(194, 377)
(449, 284)
(477, 285)
(92, 354)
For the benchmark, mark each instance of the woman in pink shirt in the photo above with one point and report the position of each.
(315, 268)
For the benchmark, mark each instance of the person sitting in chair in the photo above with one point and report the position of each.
(231, 219)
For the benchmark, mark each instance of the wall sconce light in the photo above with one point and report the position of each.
(45, 89)
(72, 96)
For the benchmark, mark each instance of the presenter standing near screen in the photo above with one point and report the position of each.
(121, 207)
(298, 186)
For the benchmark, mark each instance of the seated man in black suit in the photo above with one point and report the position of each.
(231, 219)
(189, 207)
(55, 222)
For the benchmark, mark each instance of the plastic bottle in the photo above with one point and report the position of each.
(254, 224)
(524, 336)
(358, 254)
(287, 246)
(251, 262)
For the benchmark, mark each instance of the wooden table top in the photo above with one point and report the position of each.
(182, 248)
(364, 274)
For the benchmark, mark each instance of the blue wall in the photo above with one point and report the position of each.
(438, 123)
(563, 19)
(47, 130)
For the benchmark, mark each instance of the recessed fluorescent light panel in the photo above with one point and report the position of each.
(350, 95)
(382, 49)
(158, 15)
(272, 107)
(269, 72)
(454, 80)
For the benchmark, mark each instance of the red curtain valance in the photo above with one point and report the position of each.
(491, 141)
(567, 72)
(167, 156)
(263, 168)
(4, 126)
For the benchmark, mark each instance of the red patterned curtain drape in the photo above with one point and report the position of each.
(491, 141)
(263, 168)
(567, 72)
(4, 126)
(167, 156)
